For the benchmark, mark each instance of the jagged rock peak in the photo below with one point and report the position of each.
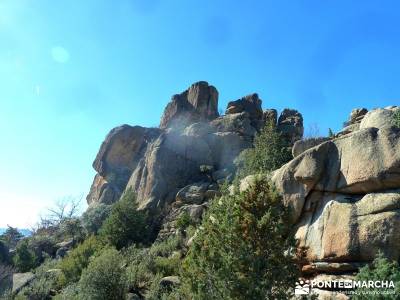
(199, 102)
(250, 104)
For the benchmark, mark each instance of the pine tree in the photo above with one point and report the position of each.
(242, 249)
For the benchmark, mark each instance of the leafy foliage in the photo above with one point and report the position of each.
(95, 215)
(239, 252)
(78, 259)
(183, 221)
(396, 118)
(381, 269)
(270, 152)
(24, 258)
(104, 278)
(126, 224)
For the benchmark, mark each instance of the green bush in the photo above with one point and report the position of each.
(24, 258)
(270, 152)
(143, 265)
(104, 278)
(396, 118)
(42, 287)
(71, 228)
(94, 217)
(381, 269)
(70, 292)
(183, 221)
(78, 259)
(239, 251)
(126, 224)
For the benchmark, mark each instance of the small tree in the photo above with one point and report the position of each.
(104, 278)
(270, 152)
(126, 224)
(381, 269)
(11, 237)
(242, 249)
(94, 217)
(24, 258)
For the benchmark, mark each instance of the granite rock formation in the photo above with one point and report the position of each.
(177, 166)
(345, 196)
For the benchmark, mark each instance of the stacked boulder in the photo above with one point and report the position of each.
(345, 196)
(178, 166)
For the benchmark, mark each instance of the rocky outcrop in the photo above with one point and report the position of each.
(117, 158)
(198, 103)
(290, 123)
(345, 196)
(181, 163)
(302, 145)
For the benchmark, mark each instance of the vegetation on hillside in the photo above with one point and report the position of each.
(381, 269)
(241, 250)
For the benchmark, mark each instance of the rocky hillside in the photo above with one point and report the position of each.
(342, 180)
(343, 190)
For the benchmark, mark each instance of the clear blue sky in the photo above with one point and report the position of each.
(72, 70)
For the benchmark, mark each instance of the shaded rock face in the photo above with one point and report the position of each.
(290, 123)
(345, 197)
(117, 158)
(198, 103)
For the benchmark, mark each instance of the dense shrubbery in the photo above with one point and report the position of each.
(270, 152)
(104, 278)
(78, 259)
(24, 258)
(94, 217)
(125, 225)
(239, 250)
(147, 265)
(381, 269)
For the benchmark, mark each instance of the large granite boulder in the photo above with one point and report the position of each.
(199, 102)
(379, 118)
(362, 162)
(345, 197)
(118, 156)
(250, 104)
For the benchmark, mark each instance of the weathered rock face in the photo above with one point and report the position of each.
(198, 103)
(302, 145)
(250, 104)
(117, 158)
(345, 196)
(290, 123)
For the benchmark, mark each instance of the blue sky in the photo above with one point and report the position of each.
(72, 70)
